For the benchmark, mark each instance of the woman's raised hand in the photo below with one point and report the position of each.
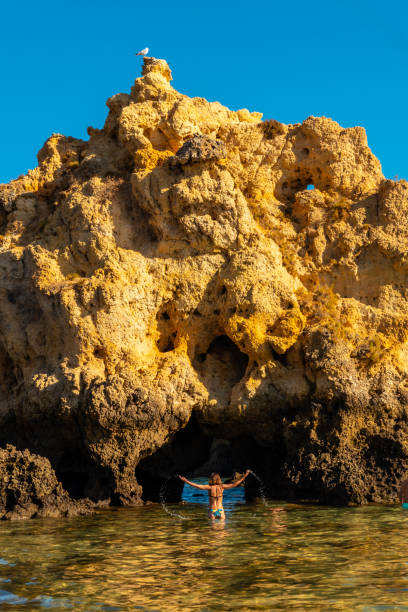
(182, 478)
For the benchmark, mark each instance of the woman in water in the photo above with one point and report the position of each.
(215, 490)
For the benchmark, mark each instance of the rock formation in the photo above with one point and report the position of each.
(29, 488)
(174, 285)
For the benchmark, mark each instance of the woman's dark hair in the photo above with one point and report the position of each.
(215, 479)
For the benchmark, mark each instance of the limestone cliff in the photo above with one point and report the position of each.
(172, 285)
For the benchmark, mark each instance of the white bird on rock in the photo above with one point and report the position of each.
(143, 51)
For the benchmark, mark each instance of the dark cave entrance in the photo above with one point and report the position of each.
(73, 482)
(83, 478)
(196, 452)
(188, 449)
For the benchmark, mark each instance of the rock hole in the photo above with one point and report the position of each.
(12, 296)
(166, 348)
(280, 358)
(223, 362)
(195, 452)
(310, 186)
(288, 189)
(166, 327)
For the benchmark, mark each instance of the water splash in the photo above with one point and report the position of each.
(262, 493)
(162, 494)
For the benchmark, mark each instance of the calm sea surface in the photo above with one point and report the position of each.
(275, 557)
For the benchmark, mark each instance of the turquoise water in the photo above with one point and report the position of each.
(275, 557)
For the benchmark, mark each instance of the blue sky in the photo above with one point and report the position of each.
(344, 60)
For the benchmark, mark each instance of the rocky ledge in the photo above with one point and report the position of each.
(196, 287)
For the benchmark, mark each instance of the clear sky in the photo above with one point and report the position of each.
(289, 59)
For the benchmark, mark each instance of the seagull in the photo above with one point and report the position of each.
(143, 51)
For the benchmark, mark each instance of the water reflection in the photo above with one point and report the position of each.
(275, 557)
(277, 520)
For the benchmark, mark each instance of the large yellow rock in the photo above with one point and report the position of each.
(177, 264)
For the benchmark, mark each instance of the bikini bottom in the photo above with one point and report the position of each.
(217, 513)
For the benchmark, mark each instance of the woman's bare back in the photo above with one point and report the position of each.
(215, 493)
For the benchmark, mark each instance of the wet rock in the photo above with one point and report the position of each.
(30, 489)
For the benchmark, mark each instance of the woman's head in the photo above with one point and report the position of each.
(215, 479)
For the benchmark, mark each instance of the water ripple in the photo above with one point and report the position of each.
(279, 556)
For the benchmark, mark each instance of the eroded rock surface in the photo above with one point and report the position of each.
(29, 488)
(176, 274)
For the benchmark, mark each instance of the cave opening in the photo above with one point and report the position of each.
(181, 455)
(196, 452)
(82, 478)
(73, 482)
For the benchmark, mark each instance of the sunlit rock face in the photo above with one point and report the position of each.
(193, 262)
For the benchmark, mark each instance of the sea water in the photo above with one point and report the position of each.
(278, 556)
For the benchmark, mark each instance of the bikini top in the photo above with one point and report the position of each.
(217, 487)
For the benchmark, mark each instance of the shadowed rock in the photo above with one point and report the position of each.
(29, 488)
(200, 148)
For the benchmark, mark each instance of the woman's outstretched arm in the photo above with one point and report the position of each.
(195, 485)
(237, 482)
